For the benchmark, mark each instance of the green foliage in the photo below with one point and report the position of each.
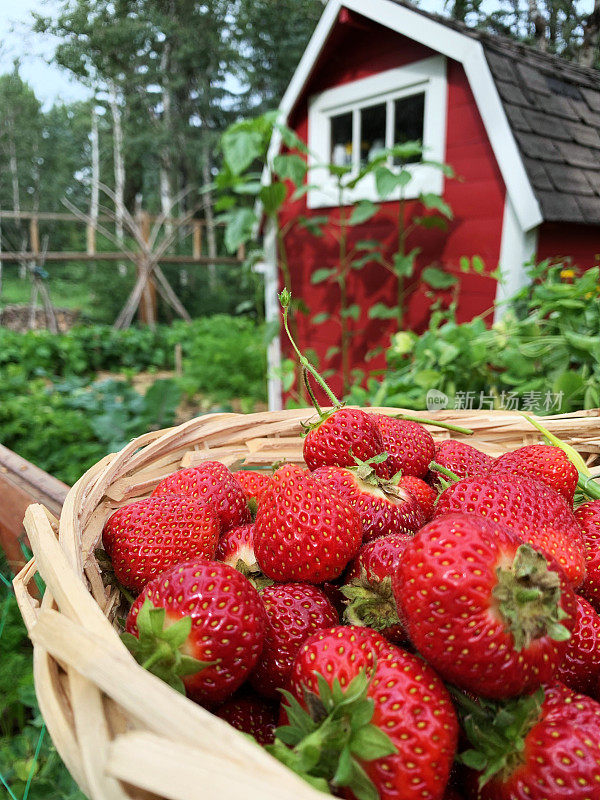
(29, 762)
(57, 414)
(544, 355)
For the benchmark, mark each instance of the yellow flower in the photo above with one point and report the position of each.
(567, 273)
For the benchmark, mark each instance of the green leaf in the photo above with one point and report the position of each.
(431, 200)
(352, 312)
(362, 212)
(437, 278)
(407, 151)
(240, 226)
(290, 167)
(386, 181)
(319, 319)
(321, 275)
(404, 264)
(381, 311)
(272, 196)
(332, 351)
(241, 146)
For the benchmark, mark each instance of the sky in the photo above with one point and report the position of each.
(34, 50)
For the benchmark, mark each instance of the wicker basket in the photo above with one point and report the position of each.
(122, 732)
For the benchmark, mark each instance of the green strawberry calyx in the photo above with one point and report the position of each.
(158, 648)
(327, 741)
(371, 604)
(528, 596)
(496, 731)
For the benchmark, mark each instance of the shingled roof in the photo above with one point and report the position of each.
(553, 108)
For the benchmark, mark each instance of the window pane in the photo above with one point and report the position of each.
(372, 131)
(341, 140)
(408, 121)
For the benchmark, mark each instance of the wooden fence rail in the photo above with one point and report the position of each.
(22, 483)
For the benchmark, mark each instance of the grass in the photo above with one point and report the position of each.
(64, 293)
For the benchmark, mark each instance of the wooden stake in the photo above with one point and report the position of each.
(148, 305)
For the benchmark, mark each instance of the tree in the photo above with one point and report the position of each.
(274, 36)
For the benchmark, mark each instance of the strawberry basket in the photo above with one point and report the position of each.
(121, 731)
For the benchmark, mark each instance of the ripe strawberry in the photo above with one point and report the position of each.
(398, 745)
(145, 538)
(424, 494)
(545, 463)
(236, 548)
(542, 747)
(382, 507)
(251, 714)
(588, 517)
(461, 458)
(214, 628)
(536, 513)
(488, 612)
(341, 437)
(410, 446)
(214, 485)
(302, 531)
(252, 482)
(369, 586)
(294, 612)
(580, 668)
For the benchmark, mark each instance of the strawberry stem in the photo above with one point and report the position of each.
(589, 486)
(435, 467)
(284, 299)
(437, 423)
(311, 394)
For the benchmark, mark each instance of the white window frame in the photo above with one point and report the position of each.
(427, 76)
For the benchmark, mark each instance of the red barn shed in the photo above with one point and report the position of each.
(521, 129)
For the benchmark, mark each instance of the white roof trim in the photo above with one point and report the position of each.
(453, 44)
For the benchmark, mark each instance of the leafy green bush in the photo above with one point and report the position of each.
(57, 414)
(544, 355)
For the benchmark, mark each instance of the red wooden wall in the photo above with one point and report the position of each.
(477, 199)
(579, 242)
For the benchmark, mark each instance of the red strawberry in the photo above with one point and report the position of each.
(580, 669)
(545, 463)
(252, 482)
(342, 437)
(214, 485)
(588, 517)
(400, 747)
(145, 538)
(369, 586)
(536, 513)
(302, 531)
(294, 612)
(211, 614)
(236, 548)
(487, 611)
(462, 459)
(251, 714)
(410, 446)
(382, 507)
(340, 652)
(424, 494)
(542, 747)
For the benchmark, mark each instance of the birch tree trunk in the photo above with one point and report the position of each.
(95, 185)
(166, 166)
(119, 160)
(14, 167)
(209, 217)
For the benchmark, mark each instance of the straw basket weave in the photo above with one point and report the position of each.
(122, 732)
